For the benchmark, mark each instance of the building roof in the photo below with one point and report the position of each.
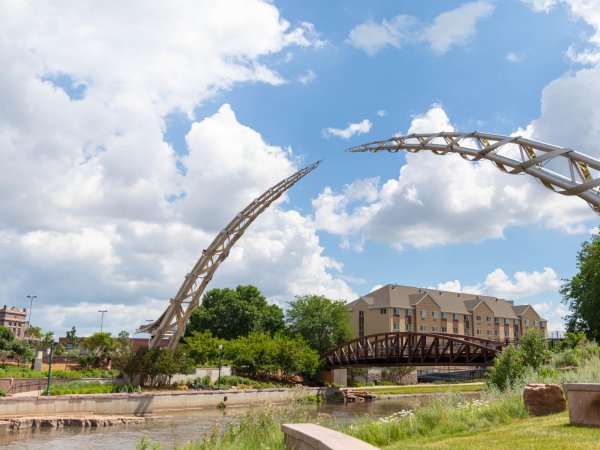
(398, 296)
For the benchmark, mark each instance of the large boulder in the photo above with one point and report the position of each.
(544, 399)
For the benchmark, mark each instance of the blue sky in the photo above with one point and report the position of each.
(128, 148)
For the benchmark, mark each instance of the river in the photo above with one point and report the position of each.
(183, 427)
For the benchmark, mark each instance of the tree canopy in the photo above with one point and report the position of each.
(582, 292)
(229, 313)
(11, 347)
(322, 322)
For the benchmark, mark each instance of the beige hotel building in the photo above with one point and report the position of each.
(404, 308)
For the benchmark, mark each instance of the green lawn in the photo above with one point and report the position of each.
(543, 433)
(427, 389)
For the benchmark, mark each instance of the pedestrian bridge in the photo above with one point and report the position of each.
(413, 349)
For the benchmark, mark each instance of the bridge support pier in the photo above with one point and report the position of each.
(335, 376)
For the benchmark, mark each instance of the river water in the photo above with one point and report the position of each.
(178, 429)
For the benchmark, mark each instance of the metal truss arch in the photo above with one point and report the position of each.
(413, 349)
(562, 170)
(171, 324)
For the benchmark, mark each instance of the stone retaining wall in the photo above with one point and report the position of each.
(146, 403)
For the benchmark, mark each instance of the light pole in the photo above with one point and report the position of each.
(30, 297)
(150, 334)
(102, 319)
(50, 365)
(220, 364)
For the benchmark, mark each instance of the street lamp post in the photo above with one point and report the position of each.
(220, 365)
(30, 297)
(50, 365)
(102, 319)
(150, 334)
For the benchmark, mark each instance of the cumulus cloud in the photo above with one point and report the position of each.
(541, 5)
(371, 37)
(115, 217)
(352, 129)
(307, 77)
(456, 27)
(525, 284)
(515, 58)
(441, 200)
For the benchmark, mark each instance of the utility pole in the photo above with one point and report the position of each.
(30, 297)
(102, 319)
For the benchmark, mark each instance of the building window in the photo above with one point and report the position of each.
(382, 310)
(422, 313)
(497, 333)
(361, 327)
(456, 316)
(435, 329)
(409, 313)
(467, 332)
(506, 322)
(422, 327)
(526, 322)
(516, 334)
(489, 332)
(496, 321)
(396, 326)
(479, 333)
(444, 316)
(516, 321)
(478, 318)
(542, 324)
(444, 330)
(396, 311)
(434, 314)
(361, 313)
(535, 323)
(466, 318)
(408, 327)
(455, 330)
(488, 319)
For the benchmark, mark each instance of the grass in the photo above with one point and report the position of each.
(78, 387)
(13, 371)
(543, 433)
(428, 389)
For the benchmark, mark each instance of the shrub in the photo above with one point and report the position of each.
(508, 369)
(533, 348)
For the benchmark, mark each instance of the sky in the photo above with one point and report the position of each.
(132, 133)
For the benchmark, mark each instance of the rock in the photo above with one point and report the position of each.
(544, 399)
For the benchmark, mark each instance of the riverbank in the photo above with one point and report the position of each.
(424, 388)
(26, 423)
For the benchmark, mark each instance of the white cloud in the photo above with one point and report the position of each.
(101, 229)
(515, 58)
(351, 130)
(442, 199)
(371, 37)
(308, 77)
(381, 113)
(456, 27)
(541, 5)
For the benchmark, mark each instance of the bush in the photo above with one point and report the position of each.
(508, 369)
(533, 348)
(565, 358)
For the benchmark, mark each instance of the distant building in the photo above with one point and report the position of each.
(405, 308)
(15, 319)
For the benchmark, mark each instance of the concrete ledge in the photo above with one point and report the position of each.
(310, 436)
(146, 402)
(584, 403)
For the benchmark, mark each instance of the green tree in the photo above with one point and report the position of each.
(582, 292)
(100, 345)
(203, 348)
(229, 313)
(72, 338)
(508, 369)
(13, 348)
(322, 322)
(294, 356)
(533, 348)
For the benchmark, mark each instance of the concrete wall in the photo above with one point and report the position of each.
(146, 403)
(310, 436)
(584, 399)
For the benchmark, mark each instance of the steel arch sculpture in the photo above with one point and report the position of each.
(510, 154)
(171, 324)
(413, 349)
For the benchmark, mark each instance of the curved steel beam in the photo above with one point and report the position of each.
(173, 321)
(511, 154)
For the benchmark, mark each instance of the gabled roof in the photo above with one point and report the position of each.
(398, 296)
(520, 309)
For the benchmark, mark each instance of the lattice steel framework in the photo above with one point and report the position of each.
(413, 349)
(171, 324)
(562, 170)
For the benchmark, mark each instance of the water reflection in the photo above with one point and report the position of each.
(181, 427)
